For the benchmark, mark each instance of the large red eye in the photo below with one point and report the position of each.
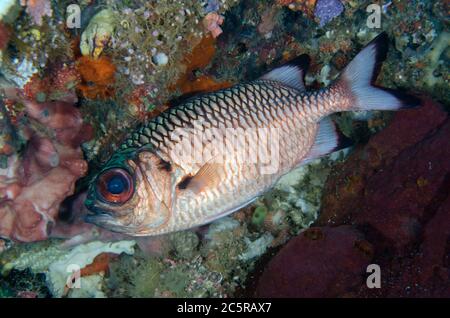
(115, 186)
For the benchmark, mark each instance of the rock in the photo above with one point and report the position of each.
(396, 190)
(421, 271)
(399, 198)
(344, 191)
(160, 59)
(320, 262)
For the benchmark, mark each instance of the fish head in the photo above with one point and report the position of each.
(129, 195)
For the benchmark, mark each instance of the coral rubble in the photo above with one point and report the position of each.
(59, 265)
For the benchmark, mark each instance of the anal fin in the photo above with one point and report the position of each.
(328, 139)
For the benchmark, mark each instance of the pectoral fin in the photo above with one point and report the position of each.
(209, 176)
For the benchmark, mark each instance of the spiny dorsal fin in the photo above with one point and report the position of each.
(291, 73)
(208, 176)
(328, 139)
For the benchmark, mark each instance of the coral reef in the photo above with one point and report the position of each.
(35, 182)
(5, 34)
(72, 94)
(405, 130)
(299, 193)
(142, 34)
(306, 6)
(194, 62)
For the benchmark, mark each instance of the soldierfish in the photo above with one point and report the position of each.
(154, 184)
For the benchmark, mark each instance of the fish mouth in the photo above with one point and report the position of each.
(96, 218)
(96, 215)
(105, 219)
(107, 222)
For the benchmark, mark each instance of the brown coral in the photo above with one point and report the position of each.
(199, 58)
(5, 33)
(97, 77)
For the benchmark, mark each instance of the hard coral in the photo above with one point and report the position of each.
(97, 77)
(33, 186)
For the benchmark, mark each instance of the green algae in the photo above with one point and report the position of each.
(184, 244)
(259, 215)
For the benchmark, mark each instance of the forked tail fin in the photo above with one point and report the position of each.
(362, 72)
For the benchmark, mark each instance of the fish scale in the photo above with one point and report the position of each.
(261, 104)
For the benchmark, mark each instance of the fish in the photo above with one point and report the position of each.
(217, 152)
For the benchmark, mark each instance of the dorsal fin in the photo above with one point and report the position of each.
(291, 73)
(328, 139)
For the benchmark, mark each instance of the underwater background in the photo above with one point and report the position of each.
(77, 76)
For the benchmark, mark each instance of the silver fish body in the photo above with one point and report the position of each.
(217, 152)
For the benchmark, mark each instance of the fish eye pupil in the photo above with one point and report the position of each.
(116, 185)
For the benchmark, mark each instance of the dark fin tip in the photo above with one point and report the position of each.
(301, 61)
(342, 140)
(184, 183)
(408, 101)
(381, 42)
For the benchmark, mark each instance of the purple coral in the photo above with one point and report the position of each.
(212, 6)
(327, 10)
(37, 9)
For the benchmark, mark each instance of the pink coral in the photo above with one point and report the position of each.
(212, 22)
(37, 9)
(33, 186)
